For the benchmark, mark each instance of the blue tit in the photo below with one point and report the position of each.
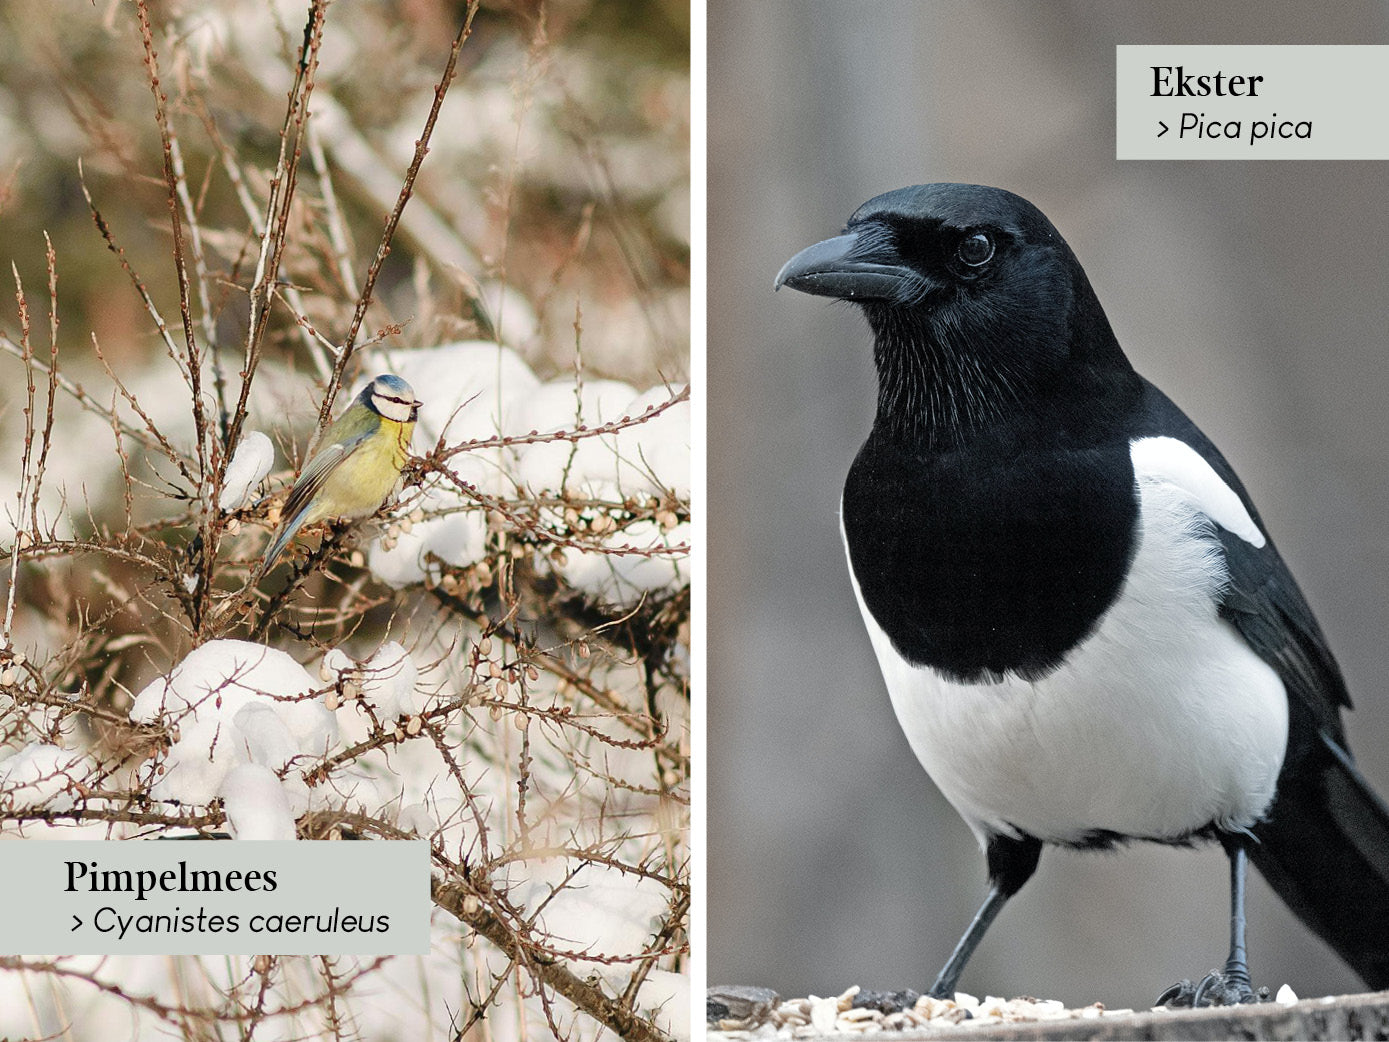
(357, 463)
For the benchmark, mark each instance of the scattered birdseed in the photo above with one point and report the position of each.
(824, 1014)
(741, 1013)
(734, 1007)
(887, 1001)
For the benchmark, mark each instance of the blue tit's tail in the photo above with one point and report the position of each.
(287, 532)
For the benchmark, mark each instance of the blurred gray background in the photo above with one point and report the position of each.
(1256, 294)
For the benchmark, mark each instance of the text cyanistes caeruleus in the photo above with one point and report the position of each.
(357, 464)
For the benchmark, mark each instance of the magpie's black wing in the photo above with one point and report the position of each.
(1324, 843)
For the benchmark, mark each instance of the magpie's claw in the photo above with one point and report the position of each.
(1214, 989)
(1178, 996)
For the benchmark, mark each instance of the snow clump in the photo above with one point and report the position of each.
(228, 703)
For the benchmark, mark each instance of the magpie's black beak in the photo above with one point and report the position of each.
(844, 267)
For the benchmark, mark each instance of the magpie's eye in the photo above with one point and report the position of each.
(975, 250)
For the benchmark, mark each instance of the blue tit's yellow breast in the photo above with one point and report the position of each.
(359, 485)
(403, 433)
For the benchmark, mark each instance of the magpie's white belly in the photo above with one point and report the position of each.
(1159, 723)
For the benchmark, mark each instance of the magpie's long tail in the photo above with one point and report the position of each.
(1324, 848)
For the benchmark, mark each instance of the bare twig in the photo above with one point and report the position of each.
(586, 995)
(384, 248)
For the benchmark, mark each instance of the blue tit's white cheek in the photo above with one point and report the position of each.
(392, 409)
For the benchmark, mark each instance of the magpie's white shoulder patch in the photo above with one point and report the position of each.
(1173, 462)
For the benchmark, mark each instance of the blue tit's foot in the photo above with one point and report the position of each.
(1228, 987)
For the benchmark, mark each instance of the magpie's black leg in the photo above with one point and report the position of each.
(949, 975)
(1230, 986)
(1011, 863)
(1237, 984)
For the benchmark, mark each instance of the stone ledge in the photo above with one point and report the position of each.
(1348, 1017)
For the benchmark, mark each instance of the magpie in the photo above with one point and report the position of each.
(1086, 632)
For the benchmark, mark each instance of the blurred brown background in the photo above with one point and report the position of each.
(560, 158)
(1253, 293)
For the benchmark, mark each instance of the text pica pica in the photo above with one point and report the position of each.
(1086, 632)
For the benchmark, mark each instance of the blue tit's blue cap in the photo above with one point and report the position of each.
(393, 386)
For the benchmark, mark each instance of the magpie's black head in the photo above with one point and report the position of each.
(978, 307)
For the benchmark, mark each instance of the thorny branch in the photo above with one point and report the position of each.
(407, 189)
